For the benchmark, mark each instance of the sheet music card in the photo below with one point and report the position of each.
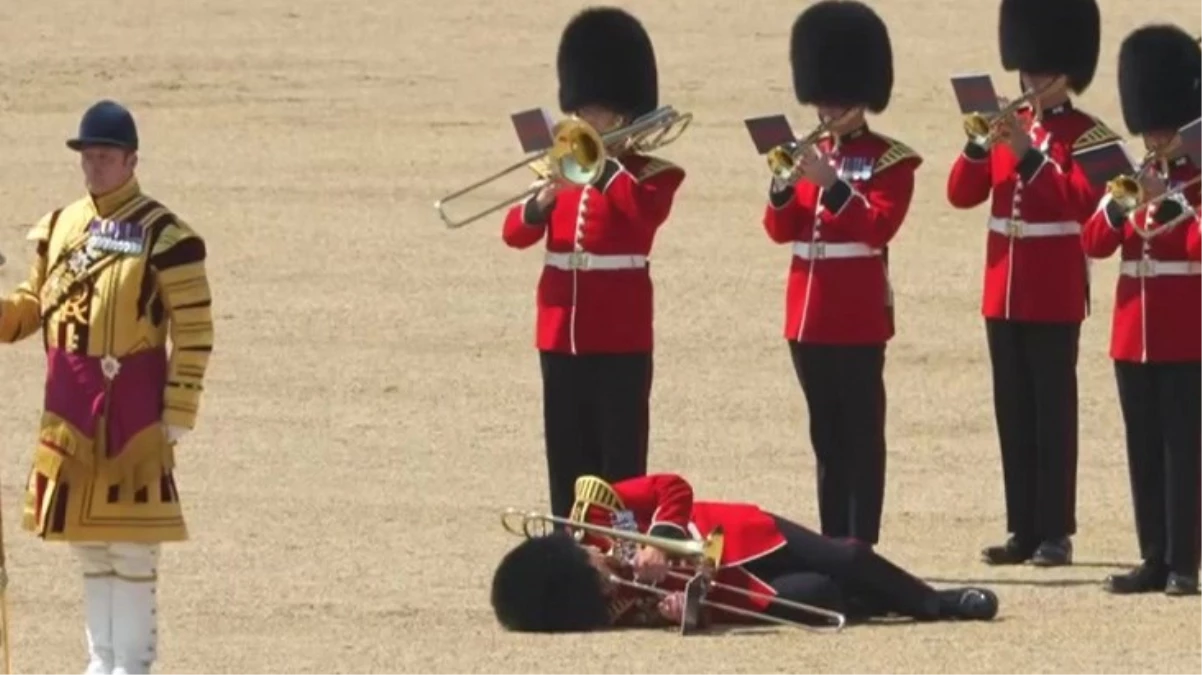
(1105, 162)
(533, 128)
(975, 93)
(769, 131)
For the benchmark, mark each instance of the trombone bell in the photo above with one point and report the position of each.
(578, 153)
(1126, 190)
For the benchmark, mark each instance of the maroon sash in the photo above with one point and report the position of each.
(78, 392)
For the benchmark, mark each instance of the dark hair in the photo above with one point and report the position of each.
(547, 585)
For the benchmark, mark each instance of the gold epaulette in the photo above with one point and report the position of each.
(1098, 134)
(655, 166)
(175, 232)
(593, 491)
(41, 231)
(896, 153)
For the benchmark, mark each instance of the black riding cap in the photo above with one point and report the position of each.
(106, 123)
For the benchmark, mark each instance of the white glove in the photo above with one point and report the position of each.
(174, 433)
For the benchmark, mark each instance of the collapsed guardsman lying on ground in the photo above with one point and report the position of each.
(557, 584)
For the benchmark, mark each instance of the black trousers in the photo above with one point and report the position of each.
(1162, 407)
(840, 575)
(1035, 405)
(595, 419)
(844, 387)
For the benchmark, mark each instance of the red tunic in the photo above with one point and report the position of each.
(1034, 267)
(838, 288)
(660, 501)
(595, 292)
(1158, 297)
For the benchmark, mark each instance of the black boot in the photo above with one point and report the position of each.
(1181, 584)
(1015, 551)
(1053, 553)
(978, 604)
(1147, 578)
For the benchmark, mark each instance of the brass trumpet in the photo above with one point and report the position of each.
(705, 555)
(577, 155)
(982, 129)
(782, 160)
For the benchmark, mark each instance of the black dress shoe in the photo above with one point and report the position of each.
(975, 604)
(1053, 553)
(1181, 584)
(1149, 577)
(1013, 552)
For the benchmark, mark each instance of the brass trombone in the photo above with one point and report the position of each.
(782, 160)
(577, 155)
(982, 129)
(705, 554)
(1128, 191)
(708, 551)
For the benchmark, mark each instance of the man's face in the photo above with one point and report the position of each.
(834, 115)
(601, 119)
(1160, 141)
(604, 569)
(1041, 82)
(106, 168)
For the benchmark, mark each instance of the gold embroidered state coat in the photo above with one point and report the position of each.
(115, 277)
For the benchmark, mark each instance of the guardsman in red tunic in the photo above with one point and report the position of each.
(553, 584)
(840, 212)
(1156, 339)
(1036, 276)
(595, 300)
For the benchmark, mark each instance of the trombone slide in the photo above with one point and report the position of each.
(689, 623)
(533, 163)
(577, 156)
(686, 548)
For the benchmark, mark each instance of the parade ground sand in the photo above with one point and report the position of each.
(374, 399)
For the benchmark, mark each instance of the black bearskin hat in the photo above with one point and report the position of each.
(1159, 71)
(547, 585)
(841, 55)
(1051, 37)
(606, 58)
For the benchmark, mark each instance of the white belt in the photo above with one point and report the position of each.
(1159, 268)
(1022, 230)
(583, 260)
(825, 249)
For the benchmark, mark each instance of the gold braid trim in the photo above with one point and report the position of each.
(1098, 134)
(60, 437)
(897, 153)
(184, 289)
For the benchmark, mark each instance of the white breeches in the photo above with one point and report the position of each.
(119, 592)
(132, 562)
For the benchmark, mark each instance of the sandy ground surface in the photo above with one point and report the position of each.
(374, 400)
